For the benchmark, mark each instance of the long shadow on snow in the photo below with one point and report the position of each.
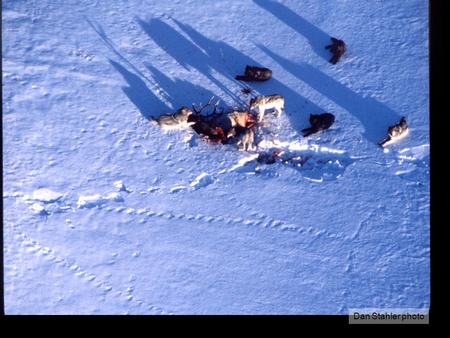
(150, 104)
(297, 106)
(185, 52)
(317, 38)
(374, 115)
(110, 44)
(138, 93)
(180, 92)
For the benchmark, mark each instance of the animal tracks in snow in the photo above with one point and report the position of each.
(255, 218)
(260, 220)
(34, 247)
(83, 54)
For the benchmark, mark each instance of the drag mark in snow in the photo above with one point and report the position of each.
(34, 247)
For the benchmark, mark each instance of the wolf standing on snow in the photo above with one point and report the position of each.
(263, 103)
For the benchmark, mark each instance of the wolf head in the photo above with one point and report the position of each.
(243, 119)
(399, 128)
(258, 73)
(403, 122)
(185, 111)
(313, 119)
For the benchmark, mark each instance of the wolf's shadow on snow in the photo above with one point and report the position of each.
(169, 95)
(178, 92)
(139, 94)
(317, 38)
(204, 55)
(373, 115)
(208, 57)
(186, 53)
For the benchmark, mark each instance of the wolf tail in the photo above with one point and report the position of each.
(242, 78)
(384, 141)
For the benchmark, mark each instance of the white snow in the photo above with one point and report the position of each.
(243, 162)
(177, 188)
(37, 208)
(45, 195)
(202, 180)
(416, 153)
(120, 186)
(91, 201)
(104, 213)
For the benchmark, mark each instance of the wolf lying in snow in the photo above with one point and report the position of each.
(262, 103)
(318, 123)
(395, 133)
(253, 73)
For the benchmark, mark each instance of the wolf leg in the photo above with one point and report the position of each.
(260, 114)
(334, 59)
(279, 111)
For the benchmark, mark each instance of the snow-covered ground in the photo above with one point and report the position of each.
(106, 214)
